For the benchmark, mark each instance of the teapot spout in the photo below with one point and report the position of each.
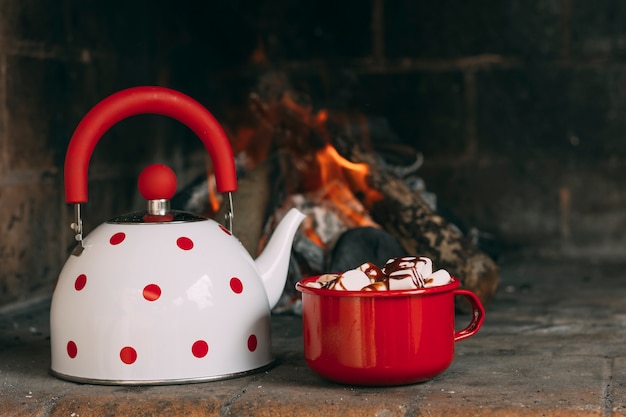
(273, 263)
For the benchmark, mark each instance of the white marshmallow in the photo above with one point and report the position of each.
(372, 271)
(326, 278)
(353, 280)
(424, 267)
(440, 277)
(402, 283)
(418, 268)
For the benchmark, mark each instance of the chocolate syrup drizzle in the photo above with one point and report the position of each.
(405, 267)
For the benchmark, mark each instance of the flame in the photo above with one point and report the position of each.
(334, 193)
(333, 166)
(329, 184)
(337, 186)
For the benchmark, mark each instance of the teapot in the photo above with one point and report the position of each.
(162, 296)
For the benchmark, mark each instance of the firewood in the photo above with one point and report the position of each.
(301, 132)
(422, 231)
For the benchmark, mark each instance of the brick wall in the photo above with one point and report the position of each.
(58, 59)
(518, 106)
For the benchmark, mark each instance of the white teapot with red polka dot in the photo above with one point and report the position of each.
(162, 296)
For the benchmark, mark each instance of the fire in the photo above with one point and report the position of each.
(332, 165)
(326, 179)
(334, 187)
(318, 180)
(333, 192)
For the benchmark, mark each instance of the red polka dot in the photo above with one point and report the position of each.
(72, 349)
(151, 292)
(252, 343)
(225, 230)
(236, 285)
(117, 238)
(200, 348)
(184, 243)
(80, 282)
(128, 355)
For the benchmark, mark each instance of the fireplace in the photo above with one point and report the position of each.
(513, 134)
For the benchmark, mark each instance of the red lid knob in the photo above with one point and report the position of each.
(157, 182)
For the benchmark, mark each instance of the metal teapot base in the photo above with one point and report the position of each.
(180, 381)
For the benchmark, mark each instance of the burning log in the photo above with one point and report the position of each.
(422, 231)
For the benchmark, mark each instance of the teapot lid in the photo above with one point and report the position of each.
(141, 217)
(157, 184)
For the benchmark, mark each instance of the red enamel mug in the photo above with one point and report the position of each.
(380, 338)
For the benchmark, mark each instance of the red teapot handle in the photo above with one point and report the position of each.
(145, 100)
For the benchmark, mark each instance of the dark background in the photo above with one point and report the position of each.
(517, 105)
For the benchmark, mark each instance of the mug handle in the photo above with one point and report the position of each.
(478, 315)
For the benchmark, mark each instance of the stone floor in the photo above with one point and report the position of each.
(553, 344)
